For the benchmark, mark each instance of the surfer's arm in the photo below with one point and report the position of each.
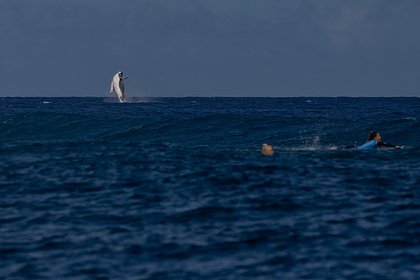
(383, 144)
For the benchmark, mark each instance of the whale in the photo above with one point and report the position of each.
(117, 86)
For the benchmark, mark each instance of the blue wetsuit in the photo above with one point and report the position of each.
(368, 145)
(372, 144)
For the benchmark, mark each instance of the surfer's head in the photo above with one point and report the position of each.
(374, 135)
(120, 74)
(267, 150)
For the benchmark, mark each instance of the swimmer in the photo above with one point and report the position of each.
(267, 150)
(375, 140)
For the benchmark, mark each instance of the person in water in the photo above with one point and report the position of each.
(374, 141)
(267, 150)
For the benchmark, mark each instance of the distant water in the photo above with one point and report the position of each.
(176, 188)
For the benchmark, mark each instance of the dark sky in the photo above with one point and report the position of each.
(210, 47)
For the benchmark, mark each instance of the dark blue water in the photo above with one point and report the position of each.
(176, 188)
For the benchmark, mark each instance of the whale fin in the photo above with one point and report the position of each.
(122, 86)
(112, 88)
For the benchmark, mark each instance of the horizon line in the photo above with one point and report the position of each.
(214, 96)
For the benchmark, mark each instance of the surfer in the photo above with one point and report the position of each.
(267, 150)
(374, 141)
(117, 86)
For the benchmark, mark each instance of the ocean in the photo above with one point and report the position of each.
(177, 188)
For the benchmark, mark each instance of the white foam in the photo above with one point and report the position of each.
(308, 148)
(133, 100)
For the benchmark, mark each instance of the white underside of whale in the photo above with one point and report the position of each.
(117, 86)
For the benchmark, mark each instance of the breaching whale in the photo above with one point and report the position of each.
(117, 86)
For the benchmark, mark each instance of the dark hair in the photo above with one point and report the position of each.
(372, 135)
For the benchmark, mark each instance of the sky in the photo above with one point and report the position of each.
(210, 47)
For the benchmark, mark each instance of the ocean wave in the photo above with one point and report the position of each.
(179, 189)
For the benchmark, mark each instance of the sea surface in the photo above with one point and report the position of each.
(177, 188)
